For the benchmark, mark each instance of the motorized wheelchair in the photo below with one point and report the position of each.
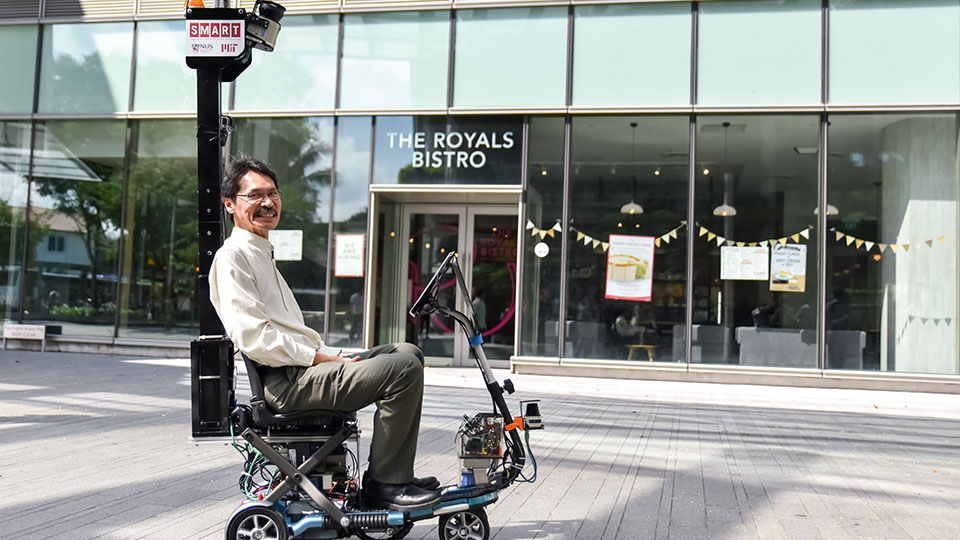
(301, 474)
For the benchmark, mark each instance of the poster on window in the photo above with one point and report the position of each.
(348, 255)
(287, 245)
(744, 263)
(788, 268)
(630, 268)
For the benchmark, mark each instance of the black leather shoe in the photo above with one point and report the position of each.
(399, 496)
(427, 482)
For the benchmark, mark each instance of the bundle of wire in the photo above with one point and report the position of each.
(259, 476)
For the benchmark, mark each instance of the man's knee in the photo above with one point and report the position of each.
(410, 348)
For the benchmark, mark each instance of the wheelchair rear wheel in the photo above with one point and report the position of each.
(257, 523)
(469, 524)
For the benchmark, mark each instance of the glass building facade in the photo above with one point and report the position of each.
(764, 186)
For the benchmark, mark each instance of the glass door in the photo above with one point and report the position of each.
(492, 275)
(431, 233)
(489, 269)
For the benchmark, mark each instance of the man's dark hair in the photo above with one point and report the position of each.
(237, 168)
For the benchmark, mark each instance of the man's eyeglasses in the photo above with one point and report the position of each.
(259, 196)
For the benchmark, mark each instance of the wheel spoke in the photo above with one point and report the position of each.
(266, 526)
(464, 526)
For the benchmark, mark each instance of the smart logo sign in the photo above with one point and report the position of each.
(449, 150)
(215, 38)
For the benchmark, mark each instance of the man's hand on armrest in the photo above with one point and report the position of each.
(320, 358)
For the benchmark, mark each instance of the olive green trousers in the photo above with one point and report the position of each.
(389, 375)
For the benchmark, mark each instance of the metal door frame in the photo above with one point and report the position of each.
(403, 276)
(466, 214)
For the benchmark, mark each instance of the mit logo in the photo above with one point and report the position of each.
(199, 29)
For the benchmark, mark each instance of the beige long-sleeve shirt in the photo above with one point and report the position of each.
(257, 308)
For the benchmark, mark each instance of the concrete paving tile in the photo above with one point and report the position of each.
(102, 454)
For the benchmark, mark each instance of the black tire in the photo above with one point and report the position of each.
(469, 524)
(390, 533)
(257, 523)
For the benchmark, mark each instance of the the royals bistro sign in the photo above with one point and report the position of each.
(456, 149)
(475, 150)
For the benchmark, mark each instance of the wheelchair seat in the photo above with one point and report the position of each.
(264, 416)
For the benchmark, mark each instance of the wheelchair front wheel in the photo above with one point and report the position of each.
(257, 523)
(469, 524)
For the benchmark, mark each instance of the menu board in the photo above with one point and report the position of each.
(630, 268)
(744, 263)
(287, 245)
(788, 268)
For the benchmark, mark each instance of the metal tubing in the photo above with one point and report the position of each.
(299, 476)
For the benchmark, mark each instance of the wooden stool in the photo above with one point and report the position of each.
(648, 348)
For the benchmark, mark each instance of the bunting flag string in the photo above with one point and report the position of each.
(590, 241)
(867, 245)
(721, 241)
(542, 233)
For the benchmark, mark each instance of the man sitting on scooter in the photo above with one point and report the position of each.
(261, 316)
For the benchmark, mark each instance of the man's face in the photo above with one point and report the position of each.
(257, 206)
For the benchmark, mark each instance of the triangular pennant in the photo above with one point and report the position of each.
(731, 243)
(883, 247)
(782, 241)
(850, 239)
(580, 236)
(906, 247)
(833, 228)
(656, 242)
(666, 238)
(893, 248)
(703, 230)
(587, 240)
(557, 227)
(796, 237)
(721, 240)
(530, 224)
(764, 243)
(551, 232)
(542, 234)
(604, 245)
(710, 237)
(929, 243)
(948, 320)
(752, 244)
(869, 245)
(840, 235)
(924, 320)
(936, 322)
(741, 244)
(673, 233)
(535, 231)
(940, 238)
(910, 318)
(595, 244)
(805, 233)
(860, 243)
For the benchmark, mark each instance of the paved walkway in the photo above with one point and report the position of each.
(95, 447)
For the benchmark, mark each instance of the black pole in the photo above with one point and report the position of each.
(209, 172)
(211, 355)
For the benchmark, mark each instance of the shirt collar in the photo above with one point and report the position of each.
(254, 240)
